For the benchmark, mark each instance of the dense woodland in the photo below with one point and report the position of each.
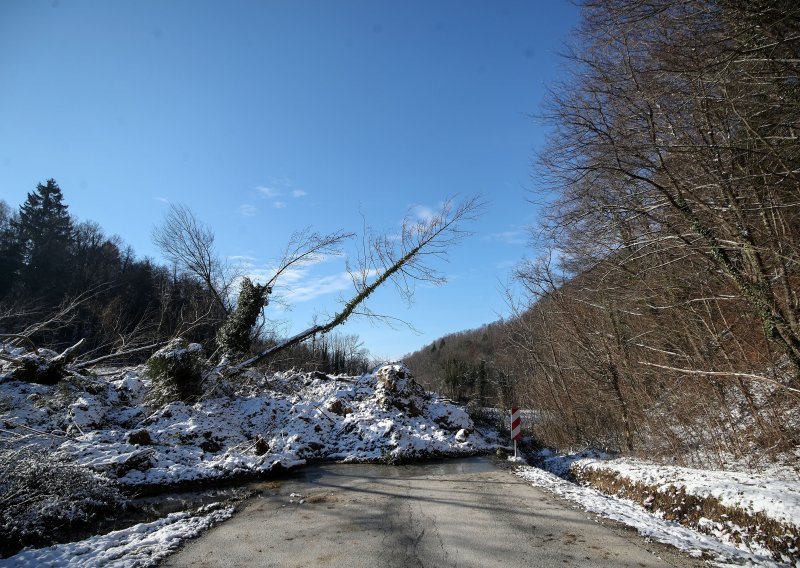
(663, 317)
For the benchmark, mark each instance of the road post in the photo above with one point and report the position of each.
(516, 428)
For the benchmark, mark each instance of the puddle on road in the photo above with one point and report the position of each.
(437, 468)
(170, 502)
(166, 503)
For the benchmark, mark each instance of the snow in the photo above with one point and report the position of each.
(776, 499)
(255, 425)
(144, 544)
(380, 416)
(648, 525)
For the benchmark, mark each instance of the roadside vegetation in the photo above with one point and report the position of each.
(654, 333)
(662, 318)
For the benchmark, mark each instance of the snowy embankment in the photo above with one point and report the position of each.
(285, 420)
(144, 544)
(729, 518)
(259, 424)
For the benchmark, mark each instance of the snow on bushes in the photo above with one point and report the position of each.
(176, 372)
(43, 497)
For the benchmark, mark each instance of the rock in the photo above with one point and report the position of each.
(337, 407)
(261, 447)
(397, 378)
(210, 444)
(397, 388)
(462, 435)
(140, 438)
(140, 461)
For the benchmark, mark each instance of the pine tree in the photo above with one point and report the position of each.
(45, 231)
(10, 250)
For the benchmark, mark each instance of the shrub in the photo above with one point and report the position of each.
(43, 498)
(176, 372)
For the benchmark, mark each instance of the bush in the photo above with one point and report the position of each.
(43, 498)
(176, 372)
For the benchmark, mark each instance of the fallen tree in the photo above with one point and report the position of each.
(401, 259)
(382, 259)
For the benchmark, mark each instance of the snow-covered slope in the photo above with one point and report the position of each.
(280, 421)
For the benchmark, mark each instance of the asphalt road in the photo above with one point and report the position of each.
(455, 513)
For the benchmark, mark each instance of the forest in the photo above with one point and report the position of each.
(63, 280)
(659, 312)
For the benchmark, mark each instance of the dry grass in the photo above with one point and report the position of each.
(782, 540)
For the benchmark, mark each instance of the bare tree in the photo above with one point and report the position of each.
(677, 132)
(402, 259)
(189, 245)
(304, 247)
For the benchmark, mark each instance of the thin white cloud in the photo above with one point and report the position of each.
(422, 212)
(297, 285)
(268, 192)
(510, 237)
(162, 199)
(290, 279)
(247, 210)
(279, 204)
(299, 193)
(317, 287)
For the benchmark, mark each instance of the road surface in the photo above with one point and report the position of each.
(456, 513)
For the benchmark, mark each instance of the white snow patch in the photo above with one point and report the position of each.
(296, 416)
(262, 422)
(751, 492)
(144, 544)
(647, 524)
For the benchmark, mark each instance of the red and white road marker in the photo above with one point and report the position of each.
(516, 428)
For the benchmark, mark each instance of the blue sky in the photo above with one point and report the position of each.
(267, 117)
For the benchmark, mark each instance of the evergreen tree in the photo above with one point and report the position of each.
(10, 250)
(235, 335)
(45, 231)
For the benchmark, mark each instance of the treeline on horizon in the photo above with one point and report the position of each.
(63, 280)
(664, 317)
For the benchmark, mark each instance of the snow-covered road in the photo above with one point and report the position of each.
(463, 512)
